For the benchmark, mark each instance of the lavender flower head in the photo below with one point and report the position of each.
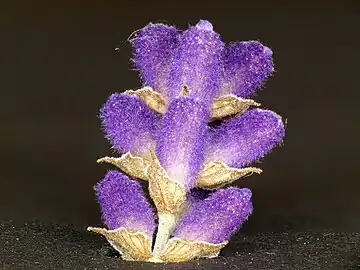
(163, 135)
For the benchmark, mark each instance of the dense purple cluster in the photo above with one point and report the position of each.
(189, 69)
(197, 58)
(123, 204)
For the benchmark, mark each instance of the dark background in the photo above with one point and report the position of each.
(59, 64)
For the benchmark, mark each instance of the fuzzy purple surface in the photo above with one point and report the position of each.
(246, 138)
(197, 62)
(246, 67)
(128, 123)
(153, 48)
(181, 140)
(123, 204)
(217, 217)
(197, 195)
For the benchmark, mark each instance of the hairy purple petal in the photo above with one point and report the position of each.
(123, 204)
(217, 217)
(180, 140)
(246, 138)
(197, 62)
(246, 66)
(128, 123)
(197, 195)
(153, 47)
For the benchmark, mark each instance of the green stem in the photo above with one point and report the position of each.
(165, 228)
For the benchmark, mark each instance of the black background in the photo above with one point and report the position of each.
(59, 64)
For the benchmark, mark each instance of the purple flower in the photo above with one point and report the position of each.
(245, 138)
(197, 63)
(168, 60)
(181, 140)
(246, 66)
(128, 124)
(153, 49)
(123, 204)
(217, 217)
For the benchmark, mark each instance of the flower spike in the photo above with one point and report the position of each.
(189, 131)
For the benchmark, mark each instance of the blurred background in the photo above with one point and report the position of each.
(59, 63)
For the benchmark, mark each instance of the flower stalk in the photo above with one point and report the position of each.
(166, 226)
